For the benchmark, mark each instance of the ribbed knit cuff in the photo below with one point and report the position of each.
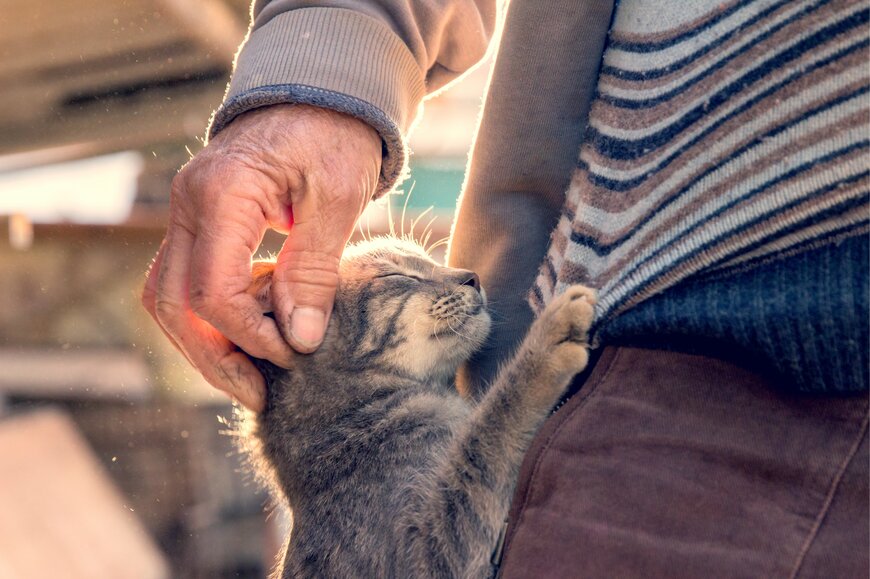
(332, 58)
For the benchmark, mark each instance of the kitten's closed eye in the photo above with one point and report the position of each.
(397, 274)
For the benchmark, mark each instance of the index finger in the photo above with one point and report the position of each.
(216, 358)
(221, 274)
(149, 296)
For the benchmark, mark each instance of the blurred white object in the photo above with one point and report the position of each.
(98, 190)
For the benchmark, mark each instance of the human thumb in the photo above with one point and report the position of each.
(306, 280)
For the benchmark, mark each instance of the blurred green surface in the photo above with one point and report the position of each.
(433, 182)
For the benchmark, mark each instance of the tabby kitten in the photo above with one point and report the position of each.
(388, 471)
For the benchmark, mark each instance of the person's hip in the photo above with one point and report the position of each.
(678, 465)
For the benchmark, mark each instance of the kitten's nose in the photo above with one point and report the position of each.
(472, 280)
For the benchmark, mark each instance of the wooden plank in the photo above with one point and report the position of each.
(61, 515)
(22, 19)
(14, 13)
(31, 100)
(41, 49)
(89, 374)
(211, 22)
(158, 116)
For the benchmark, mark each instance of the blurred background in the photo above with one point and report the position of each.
(113, 459)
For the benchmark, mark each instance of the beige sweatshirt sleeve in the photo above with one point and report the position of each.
(373, 59)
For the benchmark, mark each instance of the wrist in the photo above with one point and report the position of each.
(271, 124)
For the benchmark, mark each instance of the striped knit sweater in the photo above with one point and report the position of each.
(726, 138)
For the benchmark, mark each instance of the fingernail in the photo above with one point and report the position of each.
(307, 326)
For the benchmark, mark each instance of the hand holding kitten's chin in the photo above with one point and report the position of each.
(271, 168)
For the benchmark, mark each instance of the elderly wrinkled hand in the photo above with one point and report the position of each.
(300, 170)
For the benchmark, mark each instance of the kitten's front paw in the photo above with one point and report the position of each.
(563, 329)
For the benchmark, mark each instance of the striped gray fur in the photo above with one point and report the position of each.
(388, 471)
(721, 134)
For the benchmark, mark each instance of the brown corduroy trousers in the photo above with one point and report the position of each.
(674, 465)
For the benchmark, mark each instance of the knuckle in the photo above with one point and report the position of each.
(324, 278)
(250, 323)
(224, 368)
(309, 289)
(299, 265)
(147, 298)
(166, 309)
(178, 183)
(200, 178)
(203, 301)
(244, 327)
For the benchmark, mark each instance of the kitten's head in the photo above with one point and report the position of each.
(397, 307)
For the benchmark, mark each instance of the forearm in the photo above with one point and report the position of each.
(373, 59)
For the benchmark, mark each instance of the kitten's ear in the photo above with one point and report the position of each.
(261, 289)
(261, 284)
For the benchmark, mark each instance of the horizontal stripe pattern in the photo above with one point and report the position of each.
(717, 141)
(617, 66)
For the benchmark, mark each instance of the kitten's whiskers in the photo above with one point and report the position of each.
(416, 221)
(443, 241)
(455, 331)
(390, 218)
(405, 208)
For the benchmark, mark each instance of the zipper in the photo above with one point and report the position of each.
(498, 552)
(562, 401)
(577, 382)
(568, 395)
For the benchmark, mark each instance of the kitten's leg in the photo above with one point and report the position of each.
(454, 526)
